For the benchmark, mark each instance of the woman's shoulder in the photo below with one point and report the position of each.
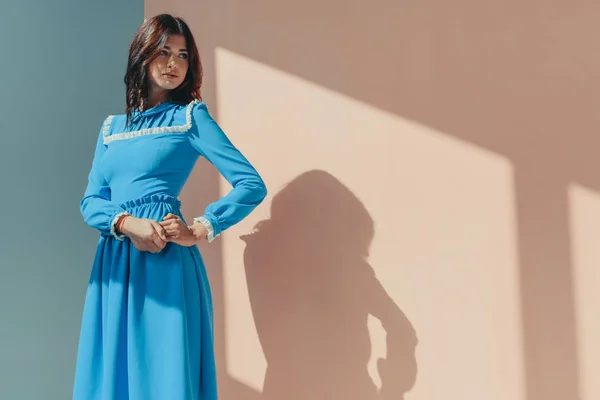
(113, 123)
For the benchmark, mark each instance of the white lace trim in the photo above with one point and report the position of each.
(106, 126)
(209, 227)
(148, 131)
(113, 226)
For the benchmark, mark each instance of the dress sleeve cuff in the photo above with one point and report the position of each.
(209, 227)
(113, 225)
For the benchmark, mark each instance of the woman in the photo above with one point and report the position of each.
(147, 322)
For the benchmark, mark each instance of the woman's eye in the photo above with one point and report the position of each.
(163, 53)
(184, 56)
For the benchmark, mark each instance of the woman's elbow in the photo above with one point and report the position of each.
(83, 209)
(261, 190)
(258, 189)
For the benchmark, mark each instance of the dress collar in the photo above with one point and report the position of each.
(156, 109)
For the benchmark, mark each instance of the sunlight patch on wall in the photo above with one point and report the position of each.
(444, 246)
(585, 236)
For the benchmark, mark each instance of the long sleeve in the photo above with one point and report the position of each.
(96, 206)
(248, 189)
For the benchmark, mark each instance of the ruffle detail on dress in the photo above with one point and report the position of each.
(149, 199)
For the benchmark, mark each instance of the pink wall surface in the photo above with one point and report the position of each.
(432, 226)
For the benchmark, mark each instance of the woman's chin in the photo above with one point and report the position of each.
(169, 84)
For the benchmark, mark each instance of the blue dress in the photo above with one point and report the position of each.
(147, 326)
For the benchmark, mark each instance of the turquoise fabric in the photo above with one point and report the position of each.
(147, 326)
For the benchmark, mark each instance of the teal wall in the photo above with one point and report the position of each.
(61, 73)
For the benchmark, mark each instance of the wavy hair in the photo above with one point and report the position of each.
(145, 48)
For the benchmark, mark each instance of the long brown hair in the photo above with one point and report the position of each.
(145, 48)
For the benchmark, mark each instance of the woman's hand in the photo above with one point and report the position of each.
(145, 234)
(179, 233)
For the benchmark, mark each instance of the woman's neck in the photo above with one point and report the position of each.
(155, 98)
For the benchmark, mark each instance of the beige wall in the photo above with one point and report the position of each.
(433, 177)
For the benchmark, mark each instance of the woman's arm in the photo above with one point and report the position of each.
(96, 206)
(248, 190)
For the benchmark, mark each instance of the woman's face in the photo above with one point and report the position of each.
(168, 70)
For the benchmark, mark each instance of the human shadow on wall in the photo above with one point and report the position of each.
(510, 77)
(311, 291)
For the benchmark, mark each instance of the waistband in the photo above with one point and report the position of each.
(149, 199)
